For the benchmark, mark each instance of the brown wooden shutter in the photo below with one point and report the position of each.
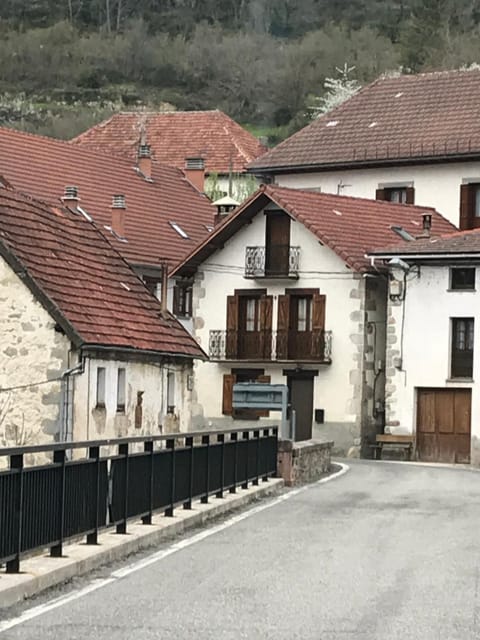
(318, 325)
(283, 325)
(410, 191)
(380, 194)
(266, 312)
(467, 206)
(227, 401)
(263, 413)
(175, 300)
(232, 327)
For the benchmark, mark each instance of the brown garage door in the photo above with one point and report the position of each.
(443, 425)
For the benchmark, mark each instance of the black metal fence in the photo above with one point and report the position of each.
(43, 506)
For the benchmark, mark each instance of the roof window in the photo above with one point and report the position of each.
(400, 231)
(179, 230)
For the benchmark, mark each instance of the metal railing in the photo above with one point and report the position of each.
(313, 346)
(43, 506)
(277, 261)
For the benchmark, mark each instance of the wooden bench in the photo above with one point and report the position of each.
(390, 440)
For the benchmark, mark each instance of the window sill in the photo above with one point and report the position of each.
(461, 290)
(459, 381)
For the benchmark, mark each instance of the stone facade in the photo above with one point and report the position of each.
(302, 462)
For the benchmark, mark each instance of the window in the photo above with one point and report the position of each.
(470, 205)
(242, 375)
(171, 392)
(462, 279)
(401, 194)
(179, 230)
(182, 299)
(121, 380)
(304, 313)
(154, 285)
(251, 314)
(462, 347)
(100, 388)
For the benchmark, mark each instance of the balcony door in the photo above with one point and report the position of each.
(277, 244)
(249, 325)
(301, 324)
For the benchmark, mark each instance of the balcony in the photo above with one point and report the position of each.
(271, 346)
(276, 261)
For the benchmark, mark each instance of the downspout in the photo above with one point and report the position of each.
(67, 392)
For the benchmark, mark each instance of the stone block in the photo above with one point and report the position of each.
(302, 462)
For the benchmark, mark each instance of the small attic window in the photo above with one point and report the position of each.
(400, 231)
(179, 230)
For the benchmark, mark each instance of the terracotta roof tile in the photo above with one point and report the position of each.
(453, 243)
(85, 278)
(44, 166)
(176, 135)
(406, 117)
(351, 227)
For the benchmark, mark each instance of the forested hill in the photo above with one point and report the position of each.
(66, 64)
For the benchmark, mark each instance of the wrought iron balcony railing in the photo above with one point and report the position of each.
(276, 261)
(271, 346)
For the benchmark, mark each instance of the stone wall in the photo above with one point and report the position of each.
(33, 355)
(301, 462)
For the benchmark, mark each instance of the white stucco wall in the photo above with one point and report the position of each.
(429, 307)
(337, 388)
(31, 352)
(91, 422)
(435, 186)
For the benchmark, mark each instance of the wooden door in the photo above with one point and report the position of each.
(277, 244)
(301, 400)
(443, 425)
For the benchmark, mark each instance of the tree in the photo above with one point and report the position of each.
(338, 90)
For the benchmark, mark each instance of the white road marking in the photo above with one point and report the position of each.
(39, 610)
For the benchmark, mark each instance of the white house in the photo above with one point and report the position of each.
(283, 293)
(432, 345)
(412, 139)
(87, 352)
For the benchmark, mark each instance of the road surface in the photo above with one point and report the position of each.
(386, 551)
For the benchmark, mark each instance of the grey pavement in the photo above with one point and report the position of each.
(386, 551)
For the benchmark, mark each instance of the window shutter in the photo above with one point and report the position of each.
(283, 325)
(176, 310)
(263, 413)
(410, 199)
(227, 401)
(467, 206)
(380, 194)
(318, 325)
(232, 327)
(266, 312)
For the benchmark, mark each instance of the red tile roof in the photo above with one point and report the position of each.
(351, 227)
(459, 242)
(44, 166)
(83, 281)
(176, 135)
(404, 118)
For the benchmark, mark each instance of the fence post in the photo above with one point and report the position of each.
(169, 510)
(234, 438)
(204, 498)
(122, 526)
(256, 435)
(148, 448)
(59, 458)
(246, 436)
(266, 433)
(16, 462)
(188, 503)
(221, 439)
(94, 454)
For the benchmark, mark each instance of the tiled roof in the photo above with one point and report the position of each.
(467, 242)
(349, 226)
(83, 281)
(44, 166)
(403, 118)
(176, 135)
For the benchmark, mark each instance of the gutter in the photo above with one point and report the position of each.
(147, 352)
(422, 256)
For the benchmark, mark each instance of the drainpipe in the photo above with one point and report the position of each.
(67, 400)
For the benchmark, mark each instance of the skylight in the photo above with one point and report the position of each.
(400, 231)
(179, 230)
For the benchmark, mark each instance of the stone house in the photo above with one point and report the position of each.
(412, 139)
(184, 139)
(87, 352)
(152, 213)
(432, 346)
(283, 293)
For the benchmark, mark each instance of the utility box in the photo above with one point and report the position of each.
(260, 395)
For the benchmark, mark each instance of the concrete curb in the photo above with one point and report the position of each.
(42, 572)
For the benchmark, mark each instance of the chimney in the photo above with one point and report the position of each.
(164, 298)
(118, 215)
(144, 160)
(224, 207)
(70, 197)
(426, 225)
(195, 172)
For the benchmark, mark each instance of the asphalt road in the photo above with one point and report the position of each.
(386, 551)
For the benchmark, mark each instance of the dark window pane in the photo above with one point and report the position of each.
(462, 278)
(462, 347)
